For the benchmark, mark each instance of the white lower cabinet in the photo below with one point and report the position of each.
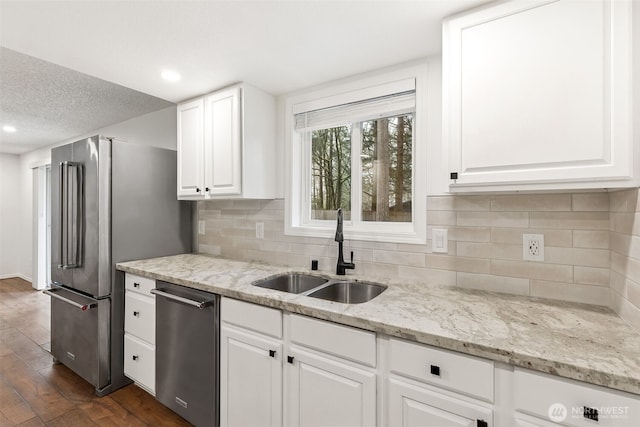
(415, 406)
(572, 403)
(327, 392)
(306, 373)
(251, 379)
(140, 331)
(428, 386)
(283, 369)
(250, 365)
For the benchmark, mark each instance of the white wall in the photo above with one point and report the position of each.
(11, 238)
(155, 129)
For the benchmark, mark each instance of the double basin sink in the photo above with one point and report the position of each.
(344, 291)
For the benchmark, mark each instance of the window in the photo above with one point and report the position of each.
(357, 150)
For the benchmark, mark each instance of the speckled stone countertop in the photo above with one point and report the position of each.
(577, 341)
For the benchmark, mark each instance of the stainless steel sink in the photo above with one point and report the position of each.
(292, 283)
(348, 292)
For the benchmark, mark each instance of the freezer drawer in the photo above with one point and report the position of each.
(80, 334)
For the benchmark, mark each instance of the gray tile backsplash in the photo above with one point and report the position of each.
(592, 245)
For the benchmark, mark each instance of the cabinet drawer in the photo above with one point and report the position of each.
(252, 316)
(342, 341)
(458, 372)
(140, 362)
(140, 284)
(410, 405)
(536, 393)
(140, 317)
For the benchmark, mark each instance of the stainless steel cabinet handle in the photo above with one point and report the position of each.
(197, 304)
(82, 307)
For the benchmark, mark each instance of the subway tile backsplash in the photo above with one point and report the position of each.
(592, 245)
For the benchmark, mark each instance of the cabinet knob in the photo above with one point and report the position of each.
(272, 353)
(435, 370)
(197, 190)
(290, 359)
(135, 357)
(136, 285)
(136, 313)
(206, 189)
(481, 423)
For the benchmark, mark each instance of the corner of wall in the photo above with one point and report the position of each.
(624, 235)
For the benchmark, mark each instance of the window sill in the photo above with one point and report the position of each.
(380, 233)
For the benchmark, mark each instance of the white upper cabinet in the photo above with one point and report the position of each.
(190, 148)
(537, 95)
(223, 149)
(226, 145)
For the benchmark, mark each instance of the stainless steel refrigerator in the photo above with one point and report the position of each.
(112, 201)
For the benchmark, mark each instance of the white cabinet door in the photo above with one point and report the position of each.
(250, 379)
(411, 406)
(223, 143)
(323, 392)
(191, 149)
(538, 94)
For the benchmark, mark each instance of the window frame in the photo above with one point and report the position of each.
(298, 159)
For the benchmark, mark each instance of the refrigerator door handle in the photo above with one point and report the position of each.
(198, 304)
(71, 215)
(84, 307)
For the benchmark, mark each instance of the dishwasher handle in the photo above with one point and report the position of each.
(198, 304)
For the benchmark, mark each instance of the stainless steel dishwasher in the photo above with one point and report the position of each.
(187, 352)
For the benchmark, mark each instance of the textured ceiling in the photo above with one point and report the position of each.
(48, 103)
(279, 46)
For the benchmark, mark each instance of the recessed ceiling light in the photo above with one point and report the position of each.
(170, 76)
(8, 128)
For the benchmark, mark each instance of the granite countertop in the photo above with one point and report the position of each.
(577, 341)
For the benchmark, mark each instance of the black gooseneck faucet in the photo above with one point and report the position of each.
(342, 266)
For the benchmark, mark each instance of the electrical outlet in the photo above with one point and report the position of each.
(533, 247)
(200, 227)
(259, 230)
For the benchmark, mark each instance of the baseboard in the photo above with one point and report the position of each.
(18, 275)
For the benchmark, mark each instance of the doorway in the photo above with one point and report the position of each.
(42, 226)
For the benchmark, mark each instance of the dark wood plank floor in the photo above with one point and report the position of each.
(35, 392)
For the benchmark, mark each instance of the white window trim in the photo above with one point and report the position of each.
(295, 183)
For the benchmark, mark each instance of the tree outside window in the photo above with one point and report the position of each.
(385, 165)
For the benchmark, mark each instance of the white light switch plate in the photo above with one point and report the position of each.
(439, 241)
